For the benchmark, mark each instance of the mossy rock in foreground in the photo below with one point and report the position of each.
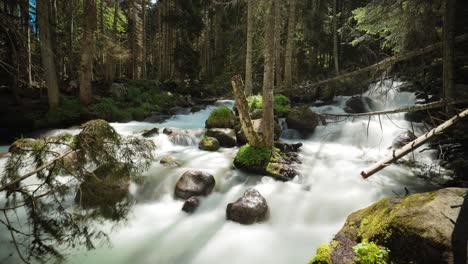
(209, 144)
(262, 160)
(421, 228)
(221, 117)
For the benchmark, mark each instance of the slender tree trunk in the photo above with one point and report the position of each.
(268, 77)
(290, 45)
(110, 62)
(278, 48)
(243, 107)
(47, 54)
(335, 37)
(448, 51)
(87, 53)
(26, 68)
(70, 29)
(248, 57)
(143, 44)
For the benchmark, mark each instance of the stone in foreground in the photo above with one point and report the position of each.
(191, 204)
(249, 209)
(194, 183)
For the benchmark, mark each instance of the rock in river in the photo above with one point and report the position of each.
(194, 183)
(249, 209)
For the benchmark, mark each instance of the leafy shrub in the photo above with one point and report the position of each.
(69, 112)
(370, 253)
(221, 117)
(108, 109)
(281, 104)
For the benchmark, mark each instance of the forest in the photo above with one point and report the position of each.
(241, 131)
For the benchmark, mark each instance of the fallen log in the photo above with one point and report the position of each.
(414, 108)
(382, 65)
(397, 154)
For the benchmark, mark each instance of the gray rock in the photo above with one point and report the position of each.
(169, 161)
(209, 144)
(250, 208)
(225, 136)
(191, 204)
(402, 139)
(150, 132)
(194, 183)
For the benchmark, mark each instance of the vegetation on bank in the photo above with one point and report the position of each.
(281, 104)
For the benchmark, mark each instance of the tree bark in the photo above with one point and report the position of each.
(243, 108)
(87, 53)
(248, 57)
(448, 51)
(335, 37)
(268, 77)
(110, 62)
(47, 53)
(288, 60)
(397, 154)
(278, 48)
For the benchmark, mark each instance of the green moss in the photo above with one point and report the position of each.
(281, 104)
(221, 117)
(323, 255)
(253, 158)
(369, 253)
(209, 144)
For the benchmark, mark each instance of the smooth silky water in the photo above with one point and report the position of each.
(303, 213)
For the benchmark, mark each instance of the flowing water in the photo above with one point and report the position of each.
(304, 213)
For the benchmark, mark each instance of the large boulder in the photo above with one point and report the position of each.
(421, 228)
(150, 132)
(402, 139)
(358, 104)
(194, 183)
(209, 144)
(221, 117)
(303, 120)
(225, 136)
(250, 208)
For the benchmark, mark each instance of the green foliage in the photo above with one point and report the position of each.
(69, 112)
(108, 109)
(370, 253)
(252, 157)
(323, 255)
(281, 104)
(221, 117)
(209, 144)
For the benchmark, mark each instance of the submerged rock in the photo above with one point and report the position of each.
(402, 139)
(250, 208)
(421, 228)
(169, 161)
(209, 144)
(225, 136)
(151, 132)
(303, 120)
(194, 183)
(191, 204)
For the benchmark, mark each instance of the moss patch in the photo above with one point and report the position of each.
(209, 144)
(369, 253)
(323, 255)
(281, 104)
(252, 158)
(221, 117)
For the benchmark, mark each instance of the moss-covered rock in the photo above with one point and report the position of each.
(265, 161)
(221, 117)
(209, 144)
(323, 255)
(225, 136)
(420, 228)
(303, 120)
(281, 104)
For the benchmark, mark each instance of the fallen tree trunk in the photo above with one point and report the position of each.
(409, 109)
(382, 65)
(243, 108)
(397, 154)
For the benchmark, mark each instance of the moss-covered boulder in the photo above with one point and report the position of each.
(221, 117)
(281, 105)
(421, 228)
(265, 161)
(225, 136)
(323, 255)
(303, 120)
(209, 144)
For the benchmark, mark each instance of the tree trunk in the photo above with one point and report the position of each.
(290, 45)
(47, 53)
(278, 48)
(448, 50)
(143, 39)
(110, 62)
(268, 77)
(26, 68)
(243, 108)
(248, 57)
(87, 53)
(335, 37)
(70, 29)
(397, 154)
